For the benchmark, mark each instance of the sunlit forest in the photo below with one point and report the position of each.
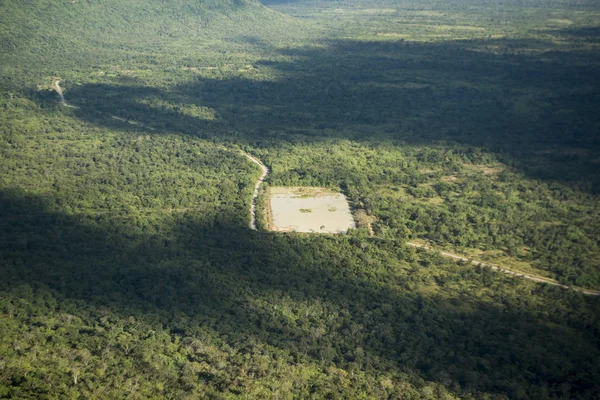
(127, 265)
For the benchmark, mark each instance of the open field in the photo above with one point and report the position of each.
(309, 209)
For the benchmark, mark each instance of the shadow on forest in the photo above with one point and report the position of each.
(588, 33)
(537, 111)
(224, 277)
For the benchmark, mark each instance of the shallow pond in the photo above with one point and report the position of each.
(309, 210)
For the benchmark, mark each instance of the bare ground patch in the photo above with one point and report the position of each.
(309, 210)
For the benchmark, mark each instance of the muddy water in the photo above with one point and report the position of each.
(310, 210)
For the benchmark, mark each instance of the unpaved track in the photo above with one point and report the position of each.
(265, 171)
(60, 93)
(507, 271)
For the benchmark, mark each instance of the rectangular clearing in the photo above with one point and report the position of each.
(309, 209)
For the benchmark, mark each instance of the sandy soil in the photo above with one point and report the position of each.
(310, 210)
(265, 171)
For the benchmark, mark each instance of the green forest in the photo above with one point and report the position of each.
(127, 267)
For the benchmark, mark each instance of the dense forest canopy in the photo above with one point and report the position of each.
(128, 268)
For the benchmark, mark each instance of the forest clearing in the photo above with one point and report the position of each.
(309, 209)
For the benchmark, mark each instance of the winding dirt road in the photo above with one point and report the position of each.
(265, 171)
(60, 93)
(507, 271)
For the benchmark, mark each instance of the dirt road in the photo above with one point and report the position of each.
(507, 270)
(265, 171)
(60, 92)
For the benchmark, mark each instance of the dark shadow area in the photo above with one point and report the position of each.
(218, 275)
(530, 102)
(586, 34)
